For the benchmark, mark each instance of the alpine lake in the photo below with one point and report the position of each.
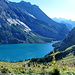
(21, 52)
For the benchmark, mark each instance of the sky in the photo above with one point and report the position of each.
(55, 8)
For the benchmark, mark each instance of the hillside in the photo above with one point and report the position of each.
(68, 41)
(20, 26)
(65, 50)
(34, 10)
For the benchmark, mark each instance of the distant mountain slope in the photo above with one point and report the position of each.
(68, 23)
(19, 26)
(69, 26)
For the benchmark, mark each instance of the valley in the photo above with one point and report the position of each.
(27, 35)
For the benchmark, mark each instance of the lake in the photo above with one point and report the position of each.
(17, 52)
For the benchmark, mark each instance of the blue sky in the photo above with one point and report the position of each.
(55, 8)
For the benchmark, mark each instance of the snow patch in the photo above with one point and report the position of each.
(31, 16)
(27, 29)
(17, 21)
(0, 25)
(12, 21)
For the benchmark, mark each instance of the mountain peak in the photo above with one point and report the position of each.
(25, 2)
(28, 4)
(7, 1)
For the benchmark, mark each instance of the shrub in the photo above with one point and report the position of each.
(5, 70)
(55, 72)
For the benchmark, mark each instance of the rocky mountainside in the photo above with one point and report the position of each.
(34, 10)
(67, 48)
(68, 41)
(40, 15)
(20, 26)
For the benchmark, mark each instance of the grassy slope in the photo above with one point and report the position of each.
(34, 68)
(63, 67)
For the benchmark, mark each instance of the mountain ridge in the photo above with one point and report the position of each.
(69, 23)
(39, 14)
(19, 26)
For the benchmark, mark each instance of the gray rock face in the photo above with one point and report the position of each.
(20, 26)
(59, 30)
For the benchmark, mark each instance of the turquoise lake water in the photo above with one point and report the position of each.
(17, 52)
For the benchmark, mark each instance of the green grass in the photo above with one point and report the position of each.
(33, 68)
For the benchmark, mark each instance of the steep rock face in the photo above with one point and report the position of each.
(13, 25)
(34, 10)
(19, 26)
(67, 48)
(59, 29)
(68, 41)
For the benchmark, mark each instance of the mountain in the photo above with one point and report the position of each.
(65, 50)
(69, 23)
(59, 19)
(18, 25)
(34, 10)
(40, 15)
(68, 41)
